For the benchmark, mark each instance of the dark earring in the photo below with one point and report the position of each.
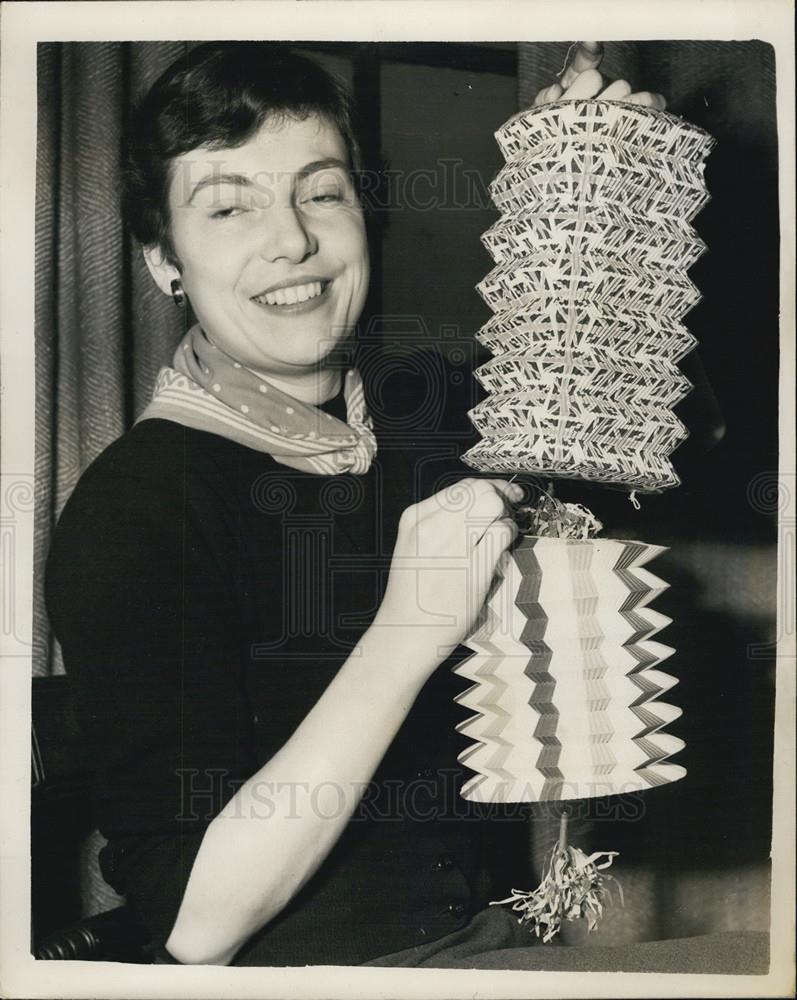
(177, 292)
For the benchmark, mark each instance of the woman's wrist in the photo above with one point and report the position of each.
(412, 651)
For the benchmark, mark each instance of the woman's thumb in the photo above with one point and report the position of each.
(588, 55)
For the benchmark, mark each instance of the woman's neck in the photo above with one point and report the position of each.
(312, 387)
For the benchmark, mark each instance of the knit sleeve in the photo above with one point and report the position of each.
(141, 592)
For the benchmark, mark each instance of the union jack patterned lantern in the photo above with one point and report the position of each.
(588, 292)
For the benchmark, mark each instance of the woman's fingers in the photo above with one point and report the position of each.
(587, 56)
(548, 95)
(454, 521)
(485, 556)
(582, 81)
(647, 100)
(466, 494)
(586, 85)
(512, 491)
(486, 504)
(499, 535)
(445, 558)
(616, 91)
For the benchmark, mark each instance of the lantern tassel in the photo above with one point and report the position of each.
(572, 887)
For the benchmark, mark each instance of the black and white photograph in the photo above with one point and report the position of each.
(398, 499)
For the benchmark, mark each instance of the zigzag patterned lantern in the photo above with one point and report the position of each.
(565, 676)
(588, 293)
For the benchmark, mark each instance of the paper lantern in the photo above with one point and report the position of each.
(566, 676)
(588, 293)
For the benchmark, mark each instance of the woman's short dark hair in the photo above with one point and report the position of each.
(217, 95)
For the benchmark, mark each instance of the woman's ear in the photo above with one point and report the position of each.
(161, 269)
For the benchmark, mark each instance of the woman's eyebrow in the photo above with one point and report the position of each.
(325, 164)
(241, 180)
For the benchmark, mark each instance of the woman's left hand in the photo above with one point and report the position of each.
(582, 81)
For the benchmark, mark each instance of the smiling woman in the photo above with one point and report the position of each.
(240, 725)
(253, 644)
(271, 231)
(250, 204)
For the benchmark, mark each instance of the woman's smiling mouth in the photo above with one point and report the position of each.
(292, 297)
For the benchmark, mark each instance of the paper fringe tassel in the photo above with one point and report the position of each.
(572, 888)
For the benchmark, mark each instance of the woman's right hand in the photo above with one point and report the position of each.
(444, 561)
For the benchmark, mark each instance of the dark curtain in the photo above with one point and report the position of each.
(102, 328)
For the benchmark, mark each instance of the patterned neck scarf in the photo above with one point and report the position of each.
(209, 391)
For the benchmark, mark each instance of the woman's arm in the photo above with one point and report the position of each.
(278, 828)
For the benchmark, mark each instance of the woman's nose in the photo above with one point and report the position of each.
(286, 236)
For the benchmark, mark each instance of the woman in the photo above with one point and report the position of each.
(248, 692)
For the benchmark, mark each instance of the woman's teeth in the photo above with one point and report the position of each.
(290, 296)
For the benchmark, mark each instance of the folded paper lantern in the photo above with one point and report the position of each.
(566, 676)
(588, 293)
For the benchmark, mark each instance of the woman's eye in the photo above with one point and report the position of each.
(226, 213)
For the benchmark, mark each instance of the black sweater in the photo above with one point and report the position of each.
(204, 596)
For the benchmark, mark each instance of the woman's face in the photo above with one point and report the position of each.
(271, 240)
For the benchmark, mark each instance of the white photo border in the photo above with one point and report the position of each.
(25, 24)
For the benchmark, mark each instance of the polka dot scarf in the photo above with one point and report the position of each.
(209, 391)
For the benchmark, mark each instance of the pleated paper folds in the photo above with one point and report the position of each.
(566, 676)
(588, 292)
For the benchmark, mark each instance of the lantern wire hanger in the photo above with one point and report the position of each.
(593, 49)
(565, 64)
